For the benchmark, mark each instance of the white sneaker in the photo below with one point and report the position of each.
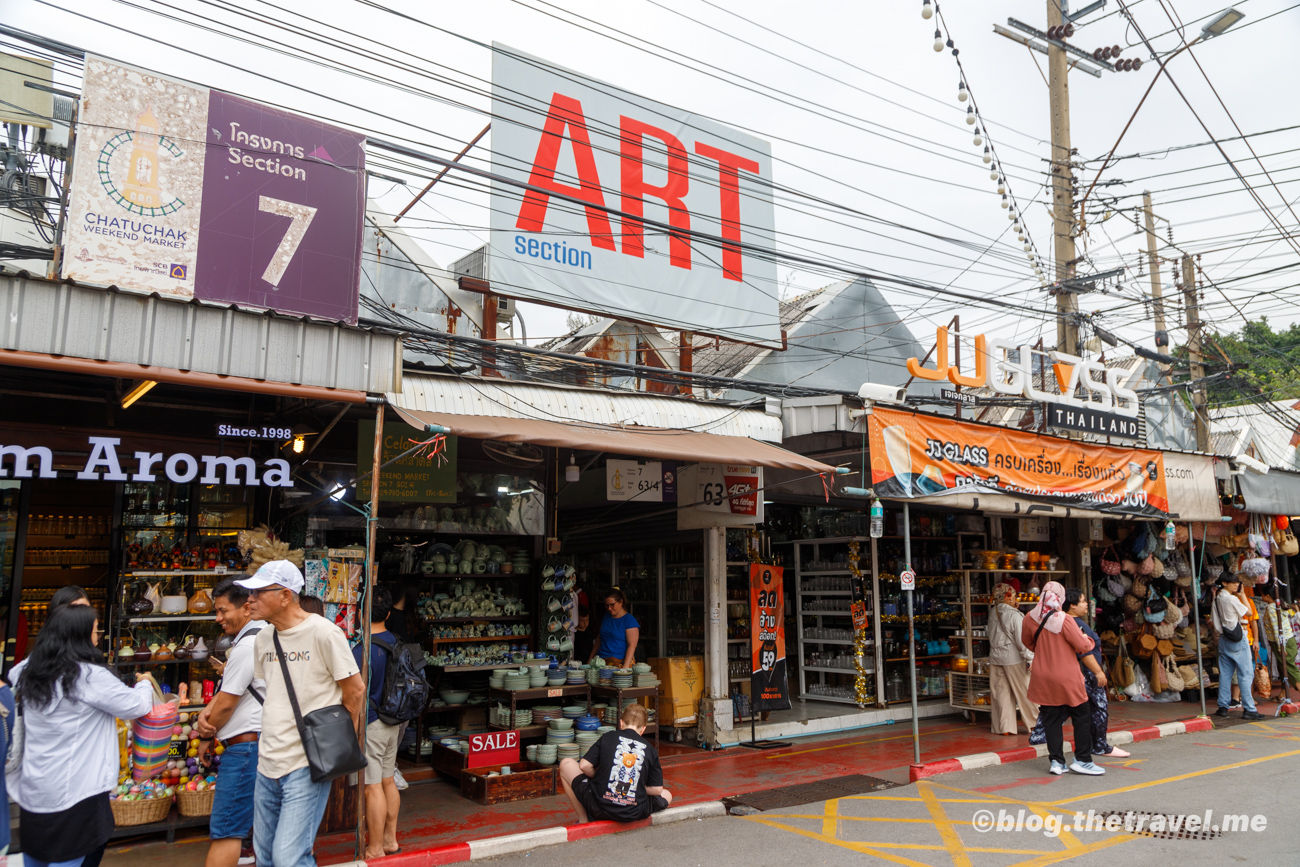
(1057, 768)
(247, 859)
(399, 780)
(1088, 768)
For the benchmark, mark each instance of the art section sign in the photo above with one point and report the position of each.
(570, 137)
(768, 684)
(927, 456)
(194, 193)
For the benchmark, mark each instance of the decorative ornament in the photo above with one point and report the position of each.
(861, 691)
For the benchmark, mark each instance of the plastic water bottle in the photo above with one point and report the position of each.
(877, 519)
(1170, 541)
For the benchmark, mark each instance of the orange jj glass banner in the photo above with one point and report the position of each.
(769, 689)
(927, 456)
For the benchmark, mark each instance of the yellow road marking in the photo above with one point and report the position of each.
(1188, 776)
(831, 827)
(1068, 854)
(951, 839)
(856, 847)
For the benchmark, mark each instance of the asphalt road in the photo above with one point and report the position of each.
(1247, 772)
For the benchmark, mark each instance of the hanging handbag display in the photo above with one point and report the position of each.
(1173, 676)
(1121, 671)
(329, 737)
(1263, 683)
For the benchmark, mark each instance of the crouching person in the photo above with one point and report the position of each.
(619, 778)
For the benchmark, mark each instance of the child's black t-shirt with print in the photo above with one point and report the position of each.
(625, 764)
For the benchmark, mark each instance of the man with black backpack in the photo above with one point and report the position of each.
(235, 717)
(383, 726)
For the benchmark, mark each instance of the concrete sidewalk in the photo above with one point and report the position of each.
(435, 817)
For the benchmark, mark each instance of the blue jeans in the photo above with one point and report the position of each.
(286, 812)
(29, 861)
(232, 806)
(1235, 658)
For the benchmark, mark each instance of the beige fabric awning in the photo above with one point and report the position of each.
(646, 442)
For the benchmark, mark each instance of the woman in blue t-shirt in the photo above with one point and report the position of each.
(619, 632)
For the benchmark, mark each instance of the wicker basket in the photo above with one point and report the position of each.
(140, 812)
(195, 803)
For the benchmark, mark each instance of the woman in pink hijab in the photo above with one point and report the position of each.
(1056, 684)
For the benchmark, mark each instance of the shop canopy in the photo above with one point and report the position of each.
(647, 442)
(1274, 493)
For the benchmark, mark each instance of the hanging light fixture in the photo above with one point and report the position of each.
(1027, 249)
(961, 91)
(1002, 184)
(970, 114)
(927, 11)
(572, 472)
(993, 175)
(1005, 203)
(979, 139)
(1012, 215)
(988, 157)
(938, 40)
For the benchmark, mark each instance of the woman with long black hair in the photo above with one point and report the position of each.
(69, 702)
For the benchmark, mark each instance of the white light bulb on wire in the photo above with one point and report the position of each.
(970, 114)
(938, 40)
(1027, 249)
(979, 139)
(1005, 203)
(988, 157)
(961, 91)
(994, 175)
(1012, 215)
(1002, 185)
(927, 11)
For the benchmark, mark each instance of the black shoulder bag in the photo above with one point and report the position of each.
(328, 736)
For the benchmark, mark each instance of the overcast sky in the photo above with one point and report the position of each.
(863, 117)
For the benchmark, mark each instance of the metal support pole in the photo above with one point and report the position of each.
(368, 584)
(1196, 610)
(1194, 357)
(1062, 178)
(1153, 263)
(911, 635)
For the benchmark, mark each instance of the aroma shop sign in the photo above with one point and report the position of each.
(105, 464)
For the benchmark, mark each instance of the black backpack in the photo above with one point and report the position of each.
(406, 692)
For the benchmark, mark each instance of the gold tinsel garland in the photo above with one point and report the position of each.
(860, 689)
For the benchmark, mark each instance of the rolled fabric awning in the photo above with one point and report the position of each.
(648, 442)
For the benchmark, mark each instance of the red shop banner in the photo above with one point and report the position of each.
(769, 687)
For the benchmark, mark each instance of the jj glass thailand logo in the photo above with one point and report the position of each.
(130, 168)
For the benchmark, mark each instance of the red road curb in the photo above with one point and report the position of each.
(1147, 733)
(1021, 754)
(453, 853)
(598, 829)
(930, 769)
(1200, 724)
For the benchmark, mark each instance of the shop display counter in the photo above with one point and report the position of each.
(541, 692)
(525, 781)
(618, 695)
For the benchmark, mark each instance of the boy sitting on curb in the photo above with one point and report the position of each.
(619, 779)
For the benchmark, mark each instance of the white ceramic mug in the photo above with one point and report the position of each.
(554, 604)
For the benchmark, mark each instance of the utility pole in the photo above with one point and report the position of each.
(1153, 263)
(1194, 354)
(1067, 303)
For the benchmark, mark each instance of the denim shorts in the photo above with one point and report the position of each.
(232, 805)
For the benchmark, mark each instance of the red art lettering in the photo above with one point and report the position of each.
(565, 112)
(631, 151)
(729, 166)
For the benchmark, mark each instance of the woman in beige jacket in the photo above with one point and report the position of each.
(1008, 664)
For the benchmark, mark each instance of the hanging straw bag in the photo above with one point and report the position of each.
(1121, 670)
(1173, 676)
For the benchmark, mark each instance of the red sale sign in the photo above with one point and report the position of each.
(493, 748)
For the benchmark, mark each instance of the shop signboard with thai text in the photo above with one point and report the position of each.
(609, 202)
(915, 456)
(197, 194)
(768, 684)
(416, 478)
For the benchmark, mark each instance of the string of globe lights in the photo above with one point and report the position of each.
(982, 138)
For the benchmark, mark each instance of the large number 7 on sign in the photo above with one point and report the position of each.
(302, 216)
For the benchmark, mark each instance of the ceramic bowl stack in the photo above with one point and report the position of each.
(603, 729)
(556, 677)
(547, 754)
(623, 678)
(611, 716)
(593, 676)
(454, 696)
(646, 680)
(546, 712)
(515, 680)
(559, 731)
(577, 677)
(537, 678)
(641, 668)
(574, 711)
(523, 718)
(584, 741)
(606, 676)
(568, 751)
(530, 752)
(497, 679)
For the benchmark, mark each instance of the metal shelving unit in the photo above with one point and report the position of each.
(834, 619)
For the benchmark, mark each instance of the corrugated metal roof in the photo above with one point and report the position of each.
(1272, 428)
(477, 396)
(59, 318)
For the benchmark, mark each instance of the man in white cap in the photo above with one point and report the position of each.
(287, 805)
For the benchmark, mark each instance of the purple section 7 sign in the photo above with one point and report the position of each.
(283, 208)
